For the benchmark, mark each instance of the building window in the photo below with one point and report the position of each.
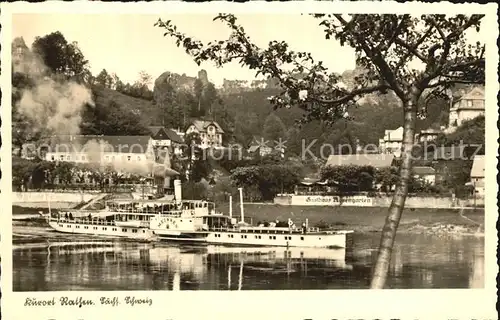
(83, 158)
(53, 158)
(469, 103)
(107, 158)
(61, 158)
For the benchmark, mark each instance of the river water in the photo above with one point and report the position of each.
(418, 261)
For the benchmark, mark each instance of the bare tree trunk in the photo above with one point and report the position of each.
(398, 201)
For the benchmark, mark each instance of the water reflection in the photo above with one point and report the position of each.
(417, 262)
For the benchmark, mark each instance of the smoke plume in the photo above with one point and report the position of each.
(104, 156)
(51, 107)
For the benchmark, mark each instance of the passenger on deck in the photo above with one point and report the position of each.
(304, 229)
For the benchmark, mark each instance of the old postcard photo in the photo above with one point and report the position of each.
(157, 158)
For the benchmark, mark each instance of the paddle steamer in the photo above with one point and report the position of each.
(191, 221)
(198, 221)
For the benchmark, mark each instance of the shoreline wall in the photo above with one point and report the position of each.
(378, 201)
(57, 199)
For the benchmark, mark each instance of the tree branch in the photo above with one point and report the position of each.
(388, 73)
(350, 95)
(413, 49)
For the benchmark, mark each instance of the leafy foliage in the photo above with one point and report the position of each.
(114, 114)
(350, 178)
(267, 179)
(60, 56)
(470, 132)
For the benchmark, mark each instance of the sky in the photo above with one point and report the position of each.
(127, 44)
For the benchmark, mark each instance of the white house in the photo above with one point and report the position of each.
(477, 175)
(427, 174)
(467, 107)
(210, 133)
(122, 153)
(392, 142)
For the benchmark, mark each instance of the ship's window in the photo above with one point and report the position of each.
(68, 226)
(270, 237)
(124, 230)
(104, 228)
(319, 238)
(143, 231)
(78, 227)
(274, 237)
(134, 230)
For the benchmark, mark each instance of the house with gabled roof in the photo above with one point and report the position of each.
(392, 142)
(210, 133)
(166, 138)
(477, 175)
(262, 147)
(427, 174)
(467, 106)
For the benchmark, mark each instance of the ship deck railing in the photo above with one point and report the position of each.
(272, 230)
(94, 222)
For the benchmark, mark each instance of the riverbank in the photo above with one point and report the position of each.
(369, 219)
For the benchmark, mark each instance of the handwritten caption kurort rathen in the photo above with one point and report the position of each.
(80, 302)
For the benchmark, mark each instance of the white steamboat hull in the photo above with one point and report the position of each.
(102, 230)
(333, 240)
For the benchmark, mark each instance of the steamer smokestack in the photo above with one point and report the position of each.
(178, 190)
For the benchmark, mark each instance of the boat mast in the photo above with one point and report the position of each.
(48, 204)
(241, 204)
(230, 206)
